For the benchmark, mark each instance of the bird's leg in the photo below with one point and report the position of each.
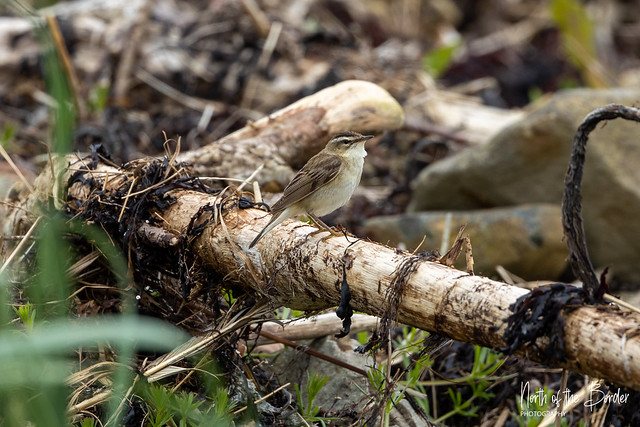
(320, 223)
(324, 227)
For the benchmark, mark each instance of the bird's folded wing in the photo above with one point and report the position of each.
(318, 172)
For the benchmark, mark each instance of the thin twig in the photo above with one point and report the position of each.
(561, 405)
(126, 199)
(156, 185)
(387, 377)
(259, 18)
(205, 118)
(171, 156)
(253, 271)
(18, 172)
(257, 194)
(266, 396)
(67, 65)
(446, 233)
(250, 178)
(122, 402)
(583, 394)
(20, 245)
(611, 298)
(127, 60)
(312, 352)
(88, 403)
(196, 368)
(424, 237)
(413, 124)
(197, 104)
(267, 51)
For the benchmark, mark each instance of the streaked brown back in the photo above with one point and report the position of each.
(318, 172)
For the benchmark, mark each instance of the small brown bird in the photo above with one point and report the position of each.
(324, 184)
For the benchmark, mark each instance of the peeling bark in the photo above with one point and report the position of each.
(304, 273)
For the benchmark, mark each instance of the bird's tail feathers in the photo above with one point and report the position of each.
(272, 223)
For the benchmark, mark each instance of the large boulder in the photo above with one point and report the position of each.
(526, 240)
(527, 162)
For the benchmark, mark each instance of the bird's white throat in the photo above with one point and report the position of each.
(358, 151)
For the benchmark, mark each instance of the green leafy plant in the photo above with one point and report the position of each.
(408, 342)
(34, 366)
(222, 406)
(314, 385)
(27, 315)
(285, 313)
(98, 98)
(187, 408)
(363, 337)
(437, 60)
(578, 40)
(164, 407)
(485, 364)
(531, 413)
(88, 422)
(158, 404)
(7, 133)
(377, 377)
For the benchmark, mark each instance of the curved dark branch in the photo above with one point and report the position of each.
(572, 198)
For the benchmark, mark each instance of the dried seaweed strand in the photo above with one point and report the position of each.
(572, 199)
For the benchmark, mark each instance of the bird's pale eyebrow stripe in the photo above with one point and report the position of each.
(344, 136)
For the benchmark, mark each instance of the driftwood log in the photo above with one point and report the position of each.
(303, 271)
(288, 138)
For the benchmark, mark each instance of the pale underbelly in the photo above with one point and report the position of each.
(339, 194)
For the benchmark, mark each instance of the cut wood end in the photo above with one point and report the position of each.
(360, 106)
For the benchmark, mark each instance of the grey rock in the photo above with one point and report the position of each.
(527, 162)
(344, 389)
(526, 240)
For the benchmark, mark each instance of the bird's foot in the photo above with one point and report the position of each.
(338, 231)
(322, 227)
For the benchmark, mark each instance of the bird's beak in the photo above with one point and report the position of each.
(365, 137)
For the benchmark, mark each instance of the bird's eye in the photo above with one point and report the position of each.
(345, 141)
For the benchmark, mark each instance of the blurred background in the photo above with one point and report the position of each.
(464, 71)
(492, 90)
